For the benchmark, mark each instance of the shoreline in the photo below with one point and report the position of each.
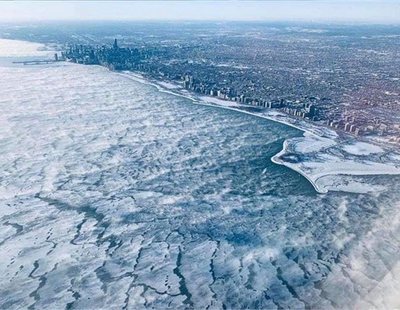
(202, 100)
(318, 135)
(276, 160)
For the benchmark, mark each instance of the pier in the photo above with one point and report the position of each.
(35, 62)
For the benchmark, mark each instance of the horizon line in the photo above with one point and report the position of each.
(166, 20)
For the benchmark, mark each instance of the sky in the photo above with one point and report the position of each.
(353, 11)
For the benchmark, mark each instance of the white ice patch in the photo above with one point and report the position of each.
(312, 143)
(362, 148)
(15, 48)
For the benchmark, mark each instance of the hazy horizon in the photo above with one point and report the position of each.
(333, 11)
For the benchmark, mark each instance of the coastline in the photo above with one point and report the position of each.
(207, 101)
(323, 140)
(276, 160)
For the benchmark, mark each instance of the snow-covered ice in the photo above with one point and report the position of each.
(16, 48)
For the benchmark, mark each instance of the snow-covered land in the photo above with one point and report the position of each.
(328, 163)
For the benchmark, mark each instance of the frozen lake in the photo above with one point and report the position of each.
(114, 194)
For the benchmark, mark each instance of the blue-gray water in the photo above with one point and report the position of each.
(116, 195)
